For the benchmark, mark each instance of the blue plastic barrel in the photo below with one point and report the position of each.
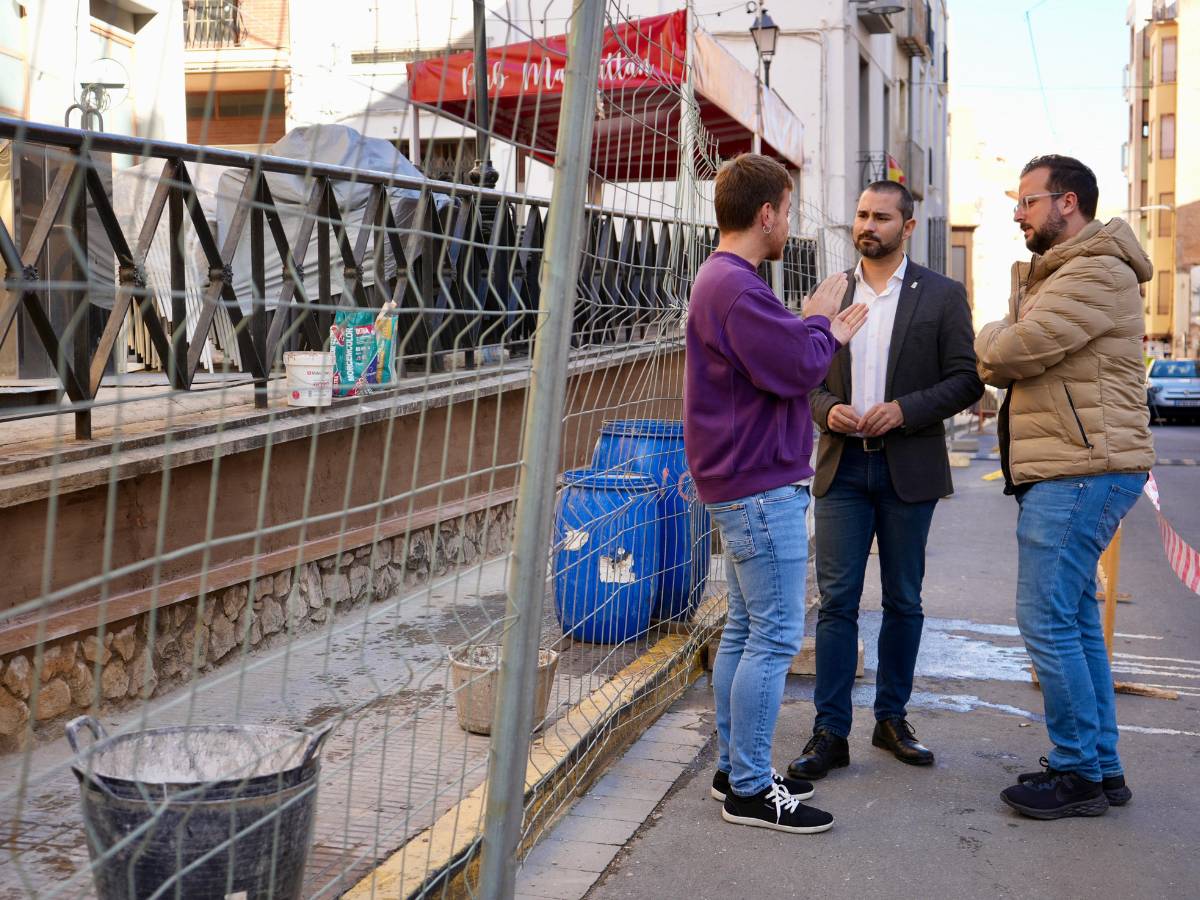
(606, 556)
(654, 447)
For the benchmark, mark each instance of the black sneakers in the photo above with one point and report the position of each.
(1116, 791)
(777, 809)
(824, 751)
(1114, 785)
(1056, 795)
(800, 789)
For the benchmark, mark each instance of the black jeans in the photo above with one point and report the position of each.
(860, 505)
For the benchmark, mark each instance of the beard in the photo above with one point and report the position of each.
(1042, 239)
(877, 248)
(775, 242)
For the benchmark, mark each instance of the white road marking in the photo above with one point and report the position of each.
(1160, 671)
(1139, 637)
(1141, 729)
(1193, 663)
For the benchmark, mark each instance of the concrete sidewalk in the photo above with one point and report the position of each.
(943, 832)
(396, 761)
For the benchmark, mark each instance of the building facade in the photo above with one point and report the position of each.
(1163, 152)
(871, 89)
(869, 86)
(237, 61)
(103, 65)
(50, 49)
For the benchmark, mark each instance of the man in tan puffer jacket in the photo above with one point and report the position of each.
(1075, 447)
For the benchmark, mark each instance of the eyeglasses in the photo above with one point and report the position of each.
(1025, 202)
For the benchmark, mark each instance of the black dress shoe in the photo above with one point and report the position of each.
(898, 737)
(824, 751)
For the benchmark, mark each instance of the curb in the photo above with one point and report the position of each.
(563, 762)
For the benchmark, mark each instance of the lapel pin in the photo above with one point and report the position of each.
(913, 285)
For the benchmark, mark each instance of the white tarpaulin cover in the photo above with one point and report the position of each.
(217, 191)
(335, 145)
(132, 191)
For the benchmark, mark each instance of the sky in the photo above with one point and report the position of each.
(1078, 108)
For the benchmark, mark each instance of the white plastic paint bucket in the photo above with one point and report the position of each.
(309, 377)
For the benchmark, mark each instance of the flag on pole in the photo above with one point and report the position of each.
(894, 172)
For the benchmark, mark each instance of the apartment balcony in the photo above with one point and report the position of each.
(914, 29)
(910, 168)
(212, 24)
(1165, 10)
(218, 40)
(875, 16)
(872, 166)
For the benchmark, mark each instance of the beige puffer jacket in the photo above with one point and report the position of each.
(1070, 351)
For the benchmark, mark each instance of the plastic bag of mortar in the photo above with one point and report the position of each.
(363, 343)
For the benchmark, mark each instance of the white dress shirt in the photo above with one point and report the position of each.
(869, 348)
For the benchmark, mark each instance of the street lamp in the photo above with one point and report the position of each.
(483, 174)
(765, 33)
(1152, 207)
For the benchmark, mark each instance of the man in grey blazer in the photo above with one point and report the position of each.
(881, 468)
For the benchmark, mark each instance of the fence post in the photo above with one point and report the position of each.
(542, 443)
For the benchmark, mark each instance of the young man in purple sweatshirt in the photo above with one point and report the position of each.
(748, 436)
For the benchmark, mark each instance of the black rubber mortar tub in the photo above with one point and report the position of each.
(215, 811)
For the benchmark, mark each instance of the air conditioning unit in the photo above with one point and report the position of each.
(873, 14)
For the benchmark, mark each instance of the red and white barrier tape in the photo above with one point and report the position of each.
(1183, 559)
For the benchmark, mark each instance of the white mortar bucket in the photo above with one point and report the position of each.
(309, 377)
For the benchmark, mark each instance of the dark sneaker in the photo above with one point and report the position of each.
(1056, 795)
(824, 751)
(775, 808)
(1116, 791)
(899, 738)
(1114, 785)
(795, 787)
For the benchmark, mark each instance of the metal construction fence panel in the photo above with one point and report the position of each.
(348, 528)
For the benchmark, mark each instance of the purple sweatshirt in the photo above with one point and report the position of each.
(750, 365)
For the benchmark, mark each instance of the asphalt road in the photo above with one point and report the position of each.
(943, 832)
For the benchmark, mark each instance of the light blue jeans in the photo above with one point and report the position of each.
(1062, 528)
(766, 555)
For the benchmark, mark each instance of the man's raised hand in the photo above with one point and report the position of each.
(826, 300)
(846, 323)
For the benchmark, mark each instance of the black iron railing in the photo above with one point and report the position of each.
(872, 166)
(212, 24)
(463, 265)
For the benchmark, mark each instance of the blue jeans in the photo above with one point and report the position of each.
(766, 553)
(860, 505)
(1062, 528)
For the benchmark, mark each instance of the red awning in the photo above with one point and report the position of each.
(642, 67)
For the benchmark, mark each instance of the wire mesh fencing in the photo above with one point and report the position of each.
(266, 423)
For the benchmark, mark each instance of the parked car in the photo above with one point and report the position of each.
(1173, 389)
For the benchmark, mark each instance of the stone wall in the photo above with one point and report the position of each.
(145, 656)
